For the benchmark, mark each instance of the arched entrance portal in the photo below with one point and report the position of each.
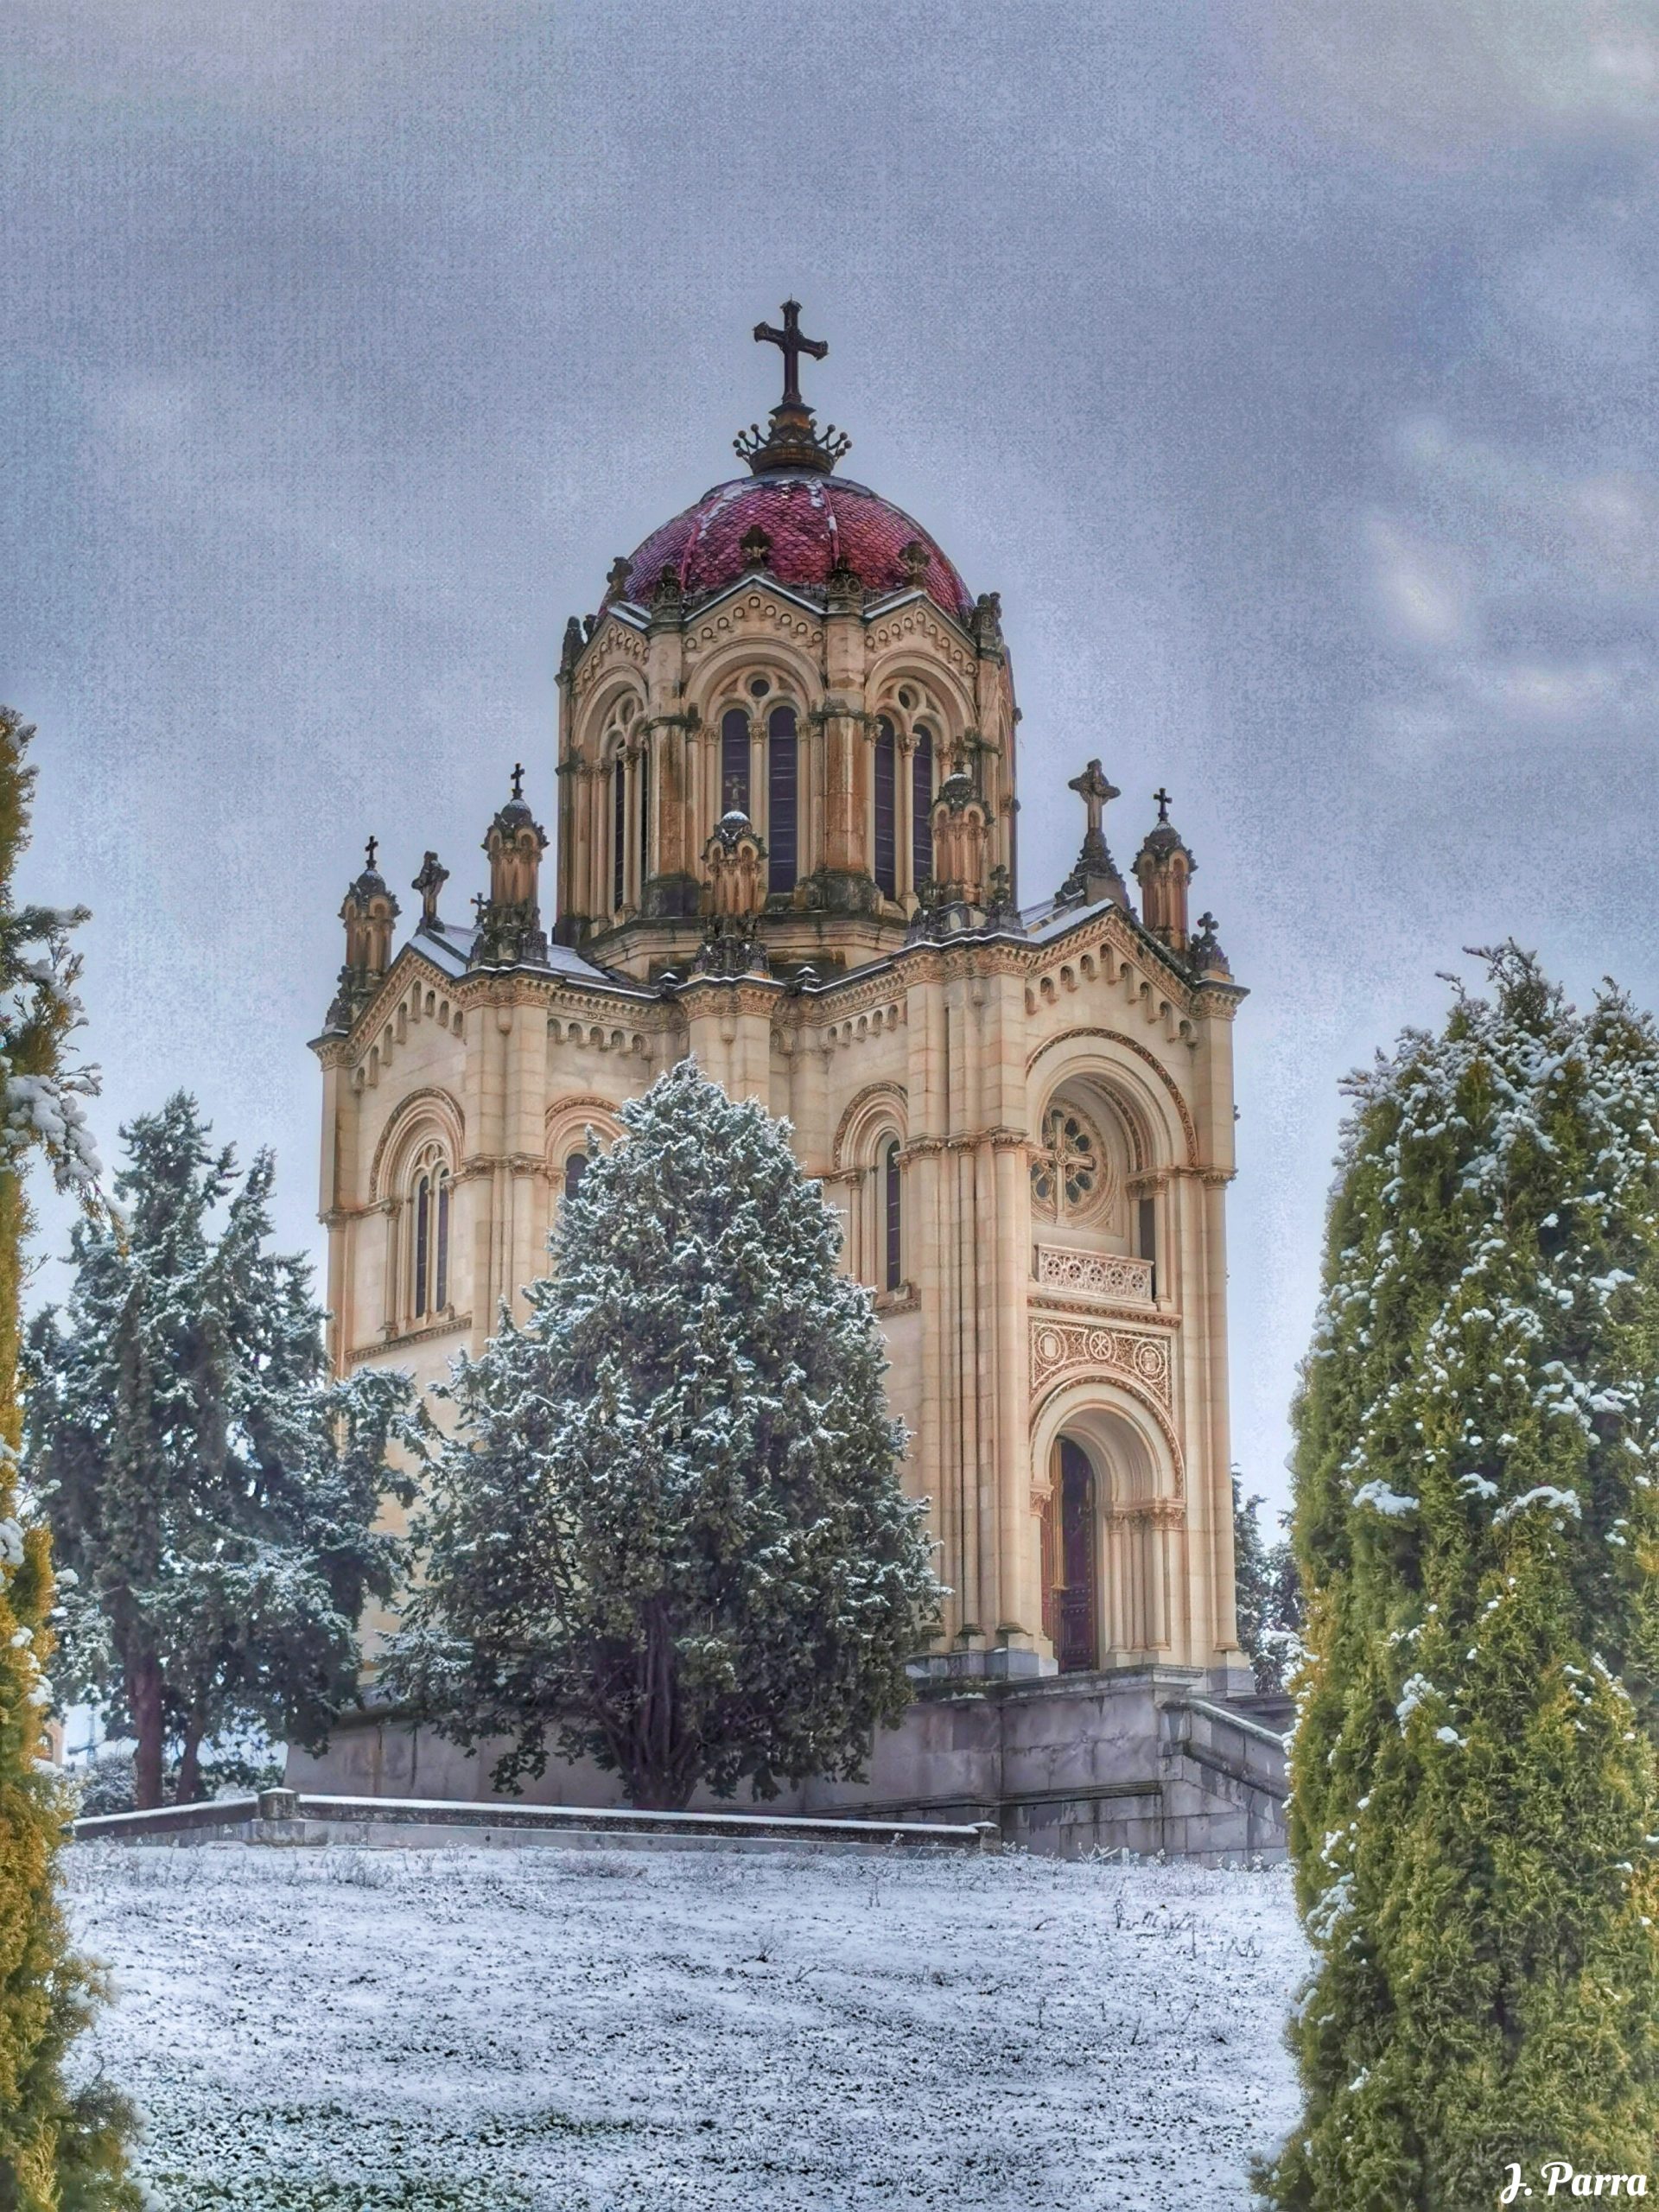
(1074, 1604)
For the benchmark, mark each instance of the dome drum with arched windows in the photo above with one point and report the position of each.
(784, 846)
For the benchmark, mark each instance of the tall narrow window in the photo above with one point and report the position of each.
(893, 1196)
(441, 1268)
(921, 808)
(1147, 1225)
(733, 761)
(618, 828)
(422, 1240)
(783, 777)
(887, 751)
(644, 816)
(575, 1168)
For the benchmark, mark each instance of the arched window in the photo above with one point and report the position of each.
(782, 790)
(893, 1216)
(734, 759)
(644, 816)
(921, 806)
(619, 827)
(428, 1285)
(887, 752)
(575, 1168)
(1071, 1175)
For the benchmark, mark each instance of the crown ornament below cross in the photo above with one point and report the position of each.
(791, 438)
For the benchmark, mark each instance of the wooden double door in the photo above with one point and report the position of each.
(1069, 1566)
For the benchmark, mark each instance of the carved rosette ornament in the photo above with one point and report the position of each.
(1138, 1357)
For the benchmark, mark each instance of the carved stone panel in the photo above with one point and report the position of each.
(1141, 1359)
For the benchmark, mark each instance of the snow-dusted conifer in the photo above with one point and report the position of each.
(667, 1530)
(1268, 1594)
(214, 1494)
(1474, 1815)
(57, 2150)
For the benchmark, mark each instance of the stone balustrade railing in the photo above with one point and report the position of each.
(1116, 1275)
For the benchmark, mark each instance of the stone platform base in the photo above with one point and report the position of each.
(1143, 1760)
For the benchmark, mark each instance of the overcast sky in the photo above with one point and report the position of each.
(1288, 368)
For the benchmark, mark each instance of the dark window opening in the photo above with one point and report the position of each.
(921, 809)
(734, 761)
(619, 829)
(423, 1231)
(783, 788)
(575, 1168)
(645, 817)
(887, 750)
(441, 1298)
(894, 1198)
(1146, 1213)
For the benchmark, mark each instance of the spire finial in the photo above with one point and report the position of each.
(792, 345)
(791, 439)
(371, 849)
(518, 779)
(1163, 799)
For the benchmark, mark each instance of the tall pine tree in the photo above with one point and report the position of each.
(57, 2151)
(667, 1529)
(214, 1494)
(1474, 1813)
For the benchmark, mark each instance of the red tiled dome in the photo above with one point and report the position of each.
(813, 521)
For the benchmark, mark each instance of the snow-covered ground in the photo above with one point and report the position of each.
(348, 2031)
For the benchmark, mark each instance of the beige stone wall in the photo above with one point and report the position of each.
(1010, 1328)
(1006, 1332)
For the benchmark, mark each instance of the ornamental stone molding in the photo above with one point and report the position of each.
(1066, 1351)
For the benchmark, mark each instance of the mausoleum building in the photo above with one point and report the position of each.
(786, 843)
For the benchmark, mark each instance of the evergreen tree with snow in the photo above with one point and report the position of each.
(214, 1494)
(666, 1530)
(1269, 1596)
(1474, 1817)
(59, 2151)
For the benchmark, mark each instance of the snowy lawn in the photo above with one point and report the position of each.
(347, 2031)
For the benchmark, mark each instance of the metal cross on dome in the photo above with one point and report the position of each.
(372, 846)
(791, 343)
(518, 779)
(1163, 799)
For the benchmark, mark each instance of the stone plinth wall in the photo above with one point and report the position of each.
(1139, 1760)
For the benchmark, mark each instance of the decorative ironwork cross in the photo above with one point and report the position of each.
(791, 343)
(373, 848)
(1162, 798)
(1094, 790)
(518, 779)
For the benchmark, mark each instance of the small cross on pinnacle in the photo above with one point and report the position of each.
(372, 848)
(733, 795)
(518, 779)
(1093, 789)
(1162, 798)
(792, 345)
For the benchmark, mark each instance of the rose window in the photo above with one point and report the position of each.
(1069, 1174)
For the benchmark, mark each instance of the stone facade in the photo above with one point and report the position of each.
(786, 845)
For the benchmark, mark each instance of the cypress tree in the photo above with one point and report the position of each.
(1474, 1818)
(57, 2149)
(666, 1529)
